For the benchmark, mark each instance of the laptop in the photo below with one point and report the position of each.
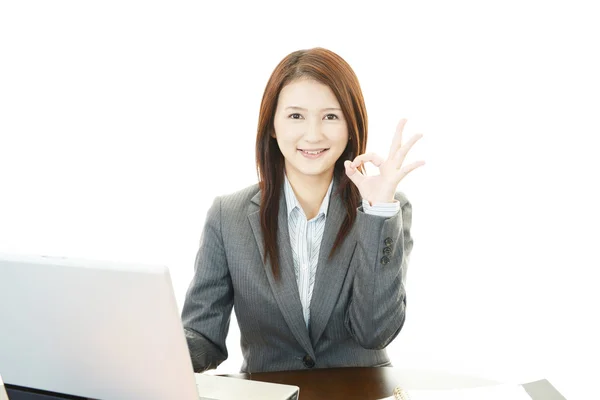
(103, 330)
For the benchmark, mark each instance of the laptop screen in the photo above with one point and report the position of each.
(92, 329)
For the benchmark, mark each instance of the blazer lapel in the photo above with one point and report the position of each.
(330, 273)
(285, 289)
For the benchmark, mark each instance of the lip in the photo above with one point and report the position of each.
(312, 156)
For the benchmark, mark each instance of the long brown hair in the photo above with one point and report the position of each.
(330, 69)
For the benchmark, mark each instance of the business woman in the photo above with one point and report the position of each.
(312, 258)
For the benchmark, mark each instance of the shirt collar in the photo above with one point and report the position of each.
(292, 202)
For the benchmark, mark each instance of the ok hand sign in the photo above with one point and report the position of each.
(381, 188)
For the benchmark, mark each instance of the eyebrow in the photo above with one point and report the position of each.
(304, 109)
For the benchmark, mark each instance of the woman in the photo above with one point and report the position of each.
(314, 257)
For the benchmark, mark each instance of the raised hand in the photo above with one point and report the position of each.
(381, 188)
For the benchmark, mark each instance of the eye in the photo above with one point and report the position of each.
(331, 116)
(295, 116)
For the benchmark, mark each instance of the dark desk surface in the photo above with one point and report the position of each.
(374, 383)
(347, 384)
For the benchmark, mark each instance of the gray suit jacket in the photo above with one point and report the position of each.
(357, 306)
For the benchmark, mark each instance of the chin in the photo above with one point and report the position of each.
(302, 166)
(314, 171)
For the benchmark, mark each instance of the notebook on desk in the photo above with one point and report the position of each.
(103, 330)
(493, 392)
(537, 390)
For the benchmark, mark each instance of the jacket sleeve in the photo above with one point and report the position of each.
(207, 309)
(376, 310)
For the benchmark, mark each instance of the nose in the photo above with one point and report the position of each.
(313, 131)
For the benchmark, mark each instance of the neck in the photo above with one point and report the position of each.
(310, 190)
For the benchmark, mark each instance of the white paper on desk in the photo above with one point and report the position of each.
(495, 392)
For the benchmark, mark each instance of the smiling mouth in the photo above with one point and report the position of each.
(313, 152)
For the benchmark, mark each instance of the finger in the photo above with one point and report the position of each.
(397, 141)
(401, 153)
(353, 173)
(367, 157)
(409, 168)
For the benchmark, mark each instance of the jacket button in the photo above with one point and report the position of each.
(385, 260)
(388, 241)
(387, 251)
(308, 361)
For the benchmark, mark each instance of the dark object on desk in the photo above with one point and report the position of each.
(365, 383)
(23, 393)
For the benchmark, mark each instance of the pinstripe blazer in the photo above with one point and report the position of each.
(358, 303)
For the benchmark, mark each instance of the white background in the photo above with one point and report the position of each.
(121, 121)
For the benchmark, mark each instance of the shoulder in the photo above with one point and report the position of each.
(237, 200)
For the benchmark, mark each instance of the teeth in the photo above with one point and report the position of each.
(313, 152)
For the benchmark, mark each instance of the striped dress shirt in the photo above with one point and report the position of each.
(306, 237)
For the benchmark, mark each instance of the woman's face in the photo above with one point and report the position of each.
(310, 128)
